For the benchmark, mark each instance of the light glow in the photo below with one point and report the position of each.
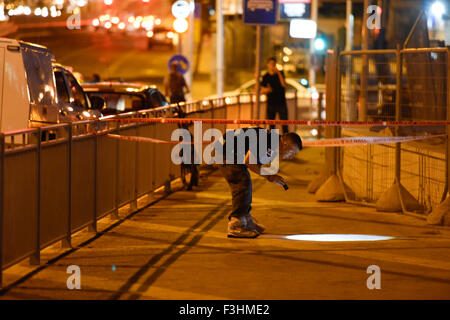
(86, 114)
(302, 29)
(180, 25)
(319, 44)
(437, 9)
(337, 237)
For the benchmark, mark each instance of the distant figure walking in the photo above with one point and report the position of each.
(174, 85)
(273, 85)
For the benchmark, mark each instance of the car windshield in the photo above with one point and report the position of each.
(121, 102)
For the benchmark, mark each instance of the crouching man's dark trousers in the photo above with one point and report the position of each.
(239, 180)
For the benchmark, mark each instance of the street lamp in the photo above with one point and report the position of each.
(180, 25)
(437, 9)
(319, 44)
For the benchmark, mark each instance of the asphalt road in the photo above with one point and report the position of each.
(177, 249)
(112, 55)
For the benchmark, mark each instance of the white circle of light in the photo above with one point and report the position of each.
(180, 25)
(437, 9)
(181, 9)
(337, 237)
(319, 44)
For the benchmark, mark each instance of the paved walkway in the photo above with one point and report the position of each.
(177, 249)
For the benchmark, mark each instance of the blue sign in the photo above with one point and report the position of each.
(182, 61)
(262, 12)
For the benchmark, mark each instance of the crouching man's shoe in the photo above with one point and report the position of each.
(253, 224)
(238, 228)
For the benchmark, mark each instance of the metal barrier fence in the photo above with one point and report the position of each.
(383, 85)
(50, 189)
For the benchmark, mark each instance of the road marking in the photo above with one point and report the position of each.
(398, 258)
(267, 240)
(109, 284)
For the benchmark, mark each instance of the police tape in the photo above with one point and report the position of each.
(305, 123)
(143, 139)
(354, 141)
(335, 142)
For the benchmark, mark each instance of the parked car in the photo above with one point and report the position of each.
(160, 36)
(123, 97)
(30, 96)
(73, 102)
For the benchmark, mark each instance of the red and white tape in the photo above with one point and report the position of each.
(306, 123)
(150, 140)
(354, 141)
(348, 141)
(141, 139)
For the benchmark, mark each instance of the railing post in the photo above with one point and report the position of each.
(296, 109)
(93, 226)
(337, 115)
(115, 213)
(151, 194)
(35, 258)
(66, 242)
(251, 108)
(211, 105)
(2, 193)
(362, 116)
(398, 97)
(448, 119)
(134, 202)
(239, 108)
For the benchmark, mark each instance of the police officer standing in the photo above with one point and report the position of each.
(273, 85)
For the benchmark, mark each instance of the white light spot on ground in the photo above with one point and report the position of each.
(337, 237)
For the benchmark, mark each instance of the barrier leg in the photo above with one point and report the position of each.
(441, 214)
(331, 190)
(397, 198)
(327, 186)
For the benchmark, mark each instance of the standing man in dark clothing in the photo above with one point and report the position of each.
(255, 154)
(174, 85)
(273, 85)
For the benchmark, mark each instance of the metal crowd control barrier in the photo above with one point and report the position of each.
(383, 85)
(60, 179)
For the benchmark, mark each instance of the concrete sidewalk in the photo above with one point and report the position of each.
(177, 249)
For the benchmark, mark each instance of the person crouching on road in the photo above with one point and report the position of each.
(241, 224)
